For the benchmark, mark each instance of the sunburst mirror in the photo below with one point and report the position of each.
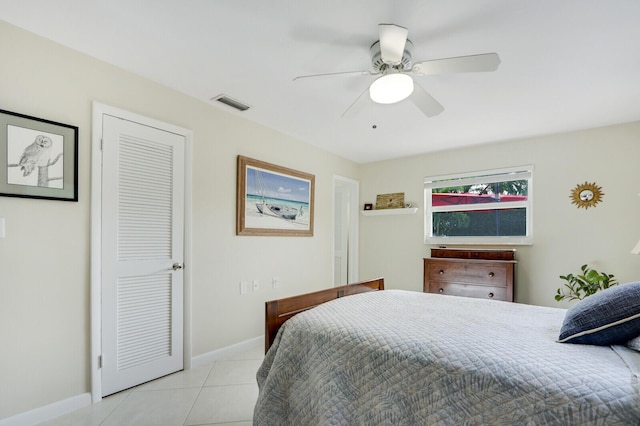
(586, 195)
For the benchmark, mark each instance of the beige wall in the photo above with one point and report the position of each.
(565, 237)
(44, 259)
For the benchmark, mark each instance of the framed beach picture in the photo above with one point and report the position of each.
(273, 200)
(38, 158)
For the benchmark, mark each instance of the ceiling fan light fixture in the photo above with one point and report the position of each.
(391, 88)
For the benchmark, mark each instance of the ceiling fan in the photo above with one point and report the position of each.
(391, 57)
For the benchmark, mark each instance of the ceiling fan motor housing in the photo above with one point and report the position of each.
(379, 65)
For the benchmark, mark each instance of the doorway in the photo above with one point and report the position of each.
(345, 230)
(140, 205)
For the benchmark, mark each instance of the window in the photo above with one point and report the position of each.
(490, 207)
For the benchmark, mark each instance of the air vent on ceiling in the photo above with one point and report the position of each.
(224, 99)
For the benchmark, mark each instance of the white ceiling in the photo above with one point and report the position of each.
(566, 64)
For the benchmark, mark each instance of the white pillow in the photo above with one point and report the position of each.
(634, 344)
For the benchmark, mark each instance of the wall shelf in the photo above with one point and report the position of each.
(388, 212)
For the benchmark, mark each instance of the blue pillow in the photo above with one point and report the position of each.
(608, 317)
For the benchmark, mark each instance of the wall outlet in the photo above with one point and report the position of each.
(243, 287)
(256, 284)
(275, 282)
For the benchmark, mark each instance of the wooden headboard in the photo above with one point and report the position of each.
(278, 311)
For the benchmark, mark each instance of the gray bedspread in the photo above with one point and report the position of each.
(406, 358)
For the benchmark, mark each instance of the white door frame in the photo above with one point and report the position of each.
(96, 239)
(353, 187)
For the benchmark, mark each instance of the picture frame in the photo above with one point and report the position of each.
(38, 158)
(390, 201)
(368, 206)
(272, 200)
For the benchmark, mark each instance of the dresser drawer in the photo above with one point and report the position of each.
(470, 277)
(491, 274)
(473, 254)
(467, 290)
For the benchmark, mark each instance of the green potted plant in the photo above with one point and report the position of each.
(585, 284)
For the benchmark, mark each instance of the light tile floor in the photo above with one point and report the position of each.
(221, 393)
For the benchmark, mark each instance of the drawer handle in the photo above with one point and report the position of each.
(441, 272)
(491, 274)
(441, 290)
(490, 295)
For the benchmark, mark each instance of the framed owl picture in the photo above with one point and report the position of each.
(38, 158)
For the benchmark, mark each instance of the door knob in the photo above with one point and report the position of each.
(177, 266)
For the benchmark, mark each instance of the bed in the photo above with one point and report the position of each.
(401, 357)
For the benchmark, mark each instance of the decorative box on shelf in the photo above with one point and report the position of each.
(481, 273)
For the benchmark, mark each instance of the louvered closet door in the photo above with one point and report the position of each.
(142, 240)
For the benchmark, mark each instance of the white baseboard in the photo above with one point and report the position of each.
(48, 412)
(225, 352)
(57, 409)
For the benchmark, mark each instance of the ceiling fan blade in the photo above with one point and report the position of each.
(392, 41)
(472, 63)
(357, 105)
(332, 74)
(425, 102)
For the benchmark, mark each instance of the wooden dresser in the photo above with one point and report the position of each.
(488, 274)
